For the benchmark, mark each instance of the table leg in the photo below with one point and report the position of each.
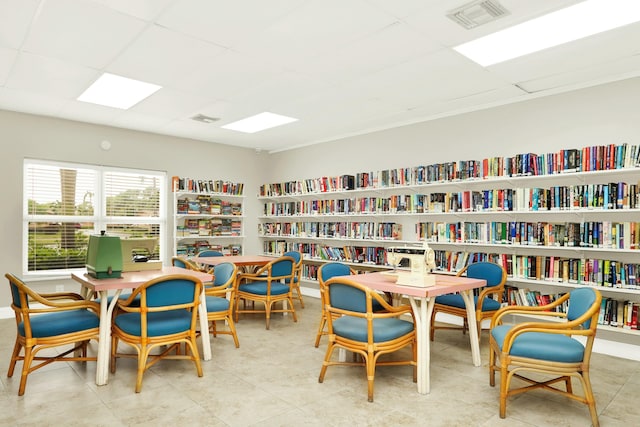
(467, 296)
(104, 341)
(204, 327)
(422, 309)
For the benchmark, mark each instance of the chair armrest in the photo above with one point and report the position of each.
(62, 296)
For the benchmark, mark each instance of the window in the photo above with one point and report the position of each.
(65, 203)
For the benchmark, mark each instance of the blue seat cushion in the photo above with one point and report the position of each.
(355, 328)
(260, 288)
(217, 304)
(538, 345)
(66, 322)
(455, 300)
(158, 323)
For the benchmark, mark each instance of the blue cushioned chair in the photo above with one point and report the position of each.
(487, 302)
(546, 347)
(269, 284)
(326, 272)
(209, 252)
(185, 263)
(297, 274)
(166, 316)
(62, 319)
(356, 327)
(219, 296)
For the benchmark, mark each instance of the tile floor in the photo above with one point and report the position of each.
(272, 380)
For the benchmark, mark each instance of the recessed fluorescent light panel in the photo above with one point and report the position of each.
(259, 122)
(117, 91)
(572, 23)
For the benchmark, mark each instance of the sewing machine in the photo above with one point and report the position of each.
(420, 261)
(136, 253)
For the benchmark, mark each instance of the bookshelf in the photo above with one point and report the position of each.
(208, 215)
(555, 221)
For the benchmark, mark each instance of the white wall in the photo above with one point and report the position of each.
(28, 136)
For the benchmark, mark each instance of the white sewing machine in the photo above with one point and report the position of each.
(136, 253)
(420, 261)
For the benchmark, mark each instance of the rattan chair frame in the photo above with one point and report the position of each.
(496, 292)
(144, 344)
(323, 299)
(370, 350)
(226, 290)
(47, 303)
(512, 366)
(264, 274)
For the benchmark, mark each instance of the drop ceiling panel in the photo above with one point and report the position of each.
(87, 112)
(15, 19)
(168, 56)
(147, 10)
(81, 32)
(30, 102)
(171, 104)
(49, 76)
(7, 59)
(226, 23)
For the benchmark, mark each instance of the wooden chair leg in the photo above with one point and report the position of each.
(504, 389)
(371, 372)
(232, 328)
(14, 358)
(323, 322)
(26, 365)
(591, 401)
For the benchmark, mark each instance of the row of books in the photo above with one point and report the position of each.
(206, 186)
(207, 205)
(587, 234)
(209, 227)
(345, 230)
(579, 271)
(193, 248)
(357, 254)
(613, 312)
(586, 159)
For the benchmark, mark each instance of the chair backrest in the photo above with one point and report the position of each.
(224, 274)
(178, 262)
(346, 295)
(209, 252)
(581, 300)
(332, 269)
(493, 273)
(297, 256)
(173, 290)
(282, 267)
(19, 296)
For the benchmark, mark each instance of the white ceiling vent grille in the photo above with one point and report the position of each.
(477, 13)
(204, 119)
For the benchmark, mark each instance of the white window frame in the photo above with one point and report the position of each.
(99, 219)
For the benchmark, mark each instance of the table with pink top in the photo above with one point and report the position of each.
(239, 260)
(422, 301)
(131, 280)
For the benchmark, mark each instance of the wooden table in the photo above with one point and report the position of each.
(422, 301)
(131, 280)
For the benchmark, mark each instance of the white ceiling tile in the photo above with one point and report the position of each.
(15, 20)
(30, 102)
(171, 104)
(226, 23)
(161, 56)
(49, 76)
(147, 10)
(81, 32)
(7, 59)
(88, 112)
(139, 121)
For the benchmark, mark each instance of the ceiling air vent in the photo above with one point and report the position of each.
(477, 13)
(204, 119)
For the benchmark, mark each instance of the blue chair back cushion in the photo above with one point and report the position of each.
(210, 253)
(347, 297)
(355, 328)
(215, 304)
(282, 268)
(179, 263)
(542, 346)
(170, 292)
(488, 271)
(260, 288)
(333, 269)
(52, 324)
(455, 300)
(580, 300)
(293, 254)
(158, 324)
(222, 273)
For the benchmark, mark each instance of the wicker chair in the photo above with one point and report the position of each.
(62, 319)
(268, 285)
(486, 303)
(546, 348)
(297, 276)
(220, 296)
(326, 272)
(356, 327)
(167, 316)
